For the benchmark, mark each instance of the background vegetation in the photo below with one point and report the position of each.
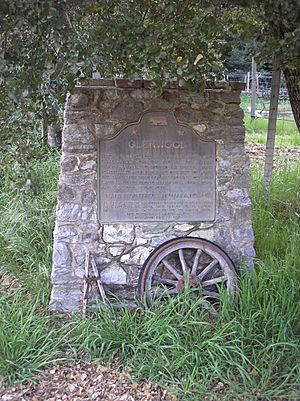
(253, 349)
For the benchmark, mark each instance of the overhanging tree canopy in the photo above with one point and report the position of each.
(48, 45)
(275, 28)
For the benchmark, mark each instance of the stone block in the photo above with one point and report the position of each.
(116, 250)
(137, 256)
(101, 260)
(66, 233)
(114, 274)
(78, 117)
(243, 234)
(203, 233)
(68, 212)
(139, 241)
(89, 196)
(239, 197)
(88, 165)
(89, 213)
(200, 128)
(78, 100)
(224, 96)
(62, 256)
(80, 260)
(185, 114)
(66, 193)
(78, 133)
(183, 227)
(89, 226)
(127, 110)
(80, 179)
(82, 149)
(66, 279)
(140, 94)
(107, 130)
(224, 211)
(89, 237)
(146, 230)
(158, 240)
(116, 233)
(69, 163)
(66, 298)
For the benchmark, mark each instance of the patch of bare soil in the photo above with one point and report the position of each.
(85, 382)
(256, 152)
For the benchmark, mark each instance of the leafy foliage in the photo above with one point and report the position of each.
(276, 29)
(46, 46)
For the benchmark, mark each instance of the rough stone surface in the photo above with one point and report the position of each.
(99, 112)
(68, 211)
(78, 133)
(183, 227)
(118, 233)
(62, 256)
(66, 233)
(69, 164)
(137, 256)
(114, 274)
(89, 196)
(66, 193)
(116, 250)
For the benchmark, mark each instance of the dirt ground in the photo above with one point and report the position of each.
(85, 382)
(256, 152)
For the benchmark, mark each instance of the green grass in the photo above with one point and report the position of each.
(254, 348)
(29, 339)
(27, 221)
(287, 134)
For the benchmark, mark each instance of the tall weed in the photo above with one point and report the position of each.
(26, 225)
(29, 339)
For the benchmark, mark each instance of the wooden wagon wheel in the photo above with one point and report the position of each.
(189, 263)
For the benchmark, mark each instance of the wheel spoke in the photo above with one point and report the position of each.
(183, 262)
(172, 269)
(196, 262)
(211, 294)
(207, 269)
(213, 281)
(163, 280)
(164, 292)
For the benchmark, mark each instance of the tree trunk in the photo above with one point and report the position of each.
(292, 77)
(275, 86)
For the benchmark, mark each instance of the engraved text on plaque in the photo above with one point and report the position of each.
(156, 170)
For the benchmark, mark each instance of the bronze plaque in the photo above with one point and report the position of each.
(156, 170)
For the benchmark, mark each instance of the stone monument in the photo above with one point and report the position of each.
(137, 171)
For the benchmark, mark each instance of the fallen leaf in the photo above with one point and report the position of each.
(198, 58)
